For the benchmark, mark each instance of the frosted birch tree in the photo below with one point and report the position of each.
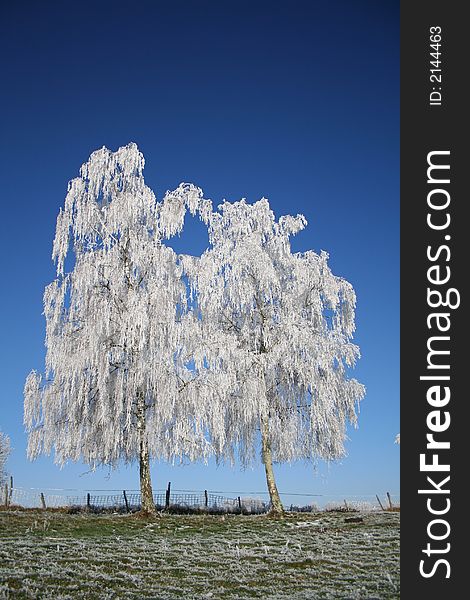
(4, 454)
(277, 337)
(117, 384)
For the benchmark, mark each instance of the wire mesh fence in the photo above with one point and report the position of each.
(190, 500)
(131, 501)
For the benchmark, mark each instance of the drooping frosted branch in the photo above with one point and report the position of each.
(278, 328)
(118, 325)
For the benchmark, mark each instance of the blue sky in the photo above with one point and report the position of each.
(298, 102)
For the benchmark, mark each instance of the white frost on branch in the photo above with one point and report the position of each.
(119, 333)
(277, 329)
(203, 351)
(4, 454)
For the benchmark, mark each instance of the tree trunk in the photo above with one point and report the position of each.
(276, 505)
(147, 505)
(146, 493)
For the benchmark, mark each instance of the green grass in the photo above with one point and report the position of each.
(305, 556)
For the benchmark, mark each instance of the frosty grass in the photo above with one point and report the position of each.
(59, 556)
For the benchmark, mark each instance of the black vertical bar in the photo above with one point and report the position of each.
(167, 496)
(125, 500)
(434, 133)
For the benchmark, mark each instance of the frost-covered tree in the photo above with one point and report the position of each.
(118, 383)
(135, 369)
(4, 454)
(277, 340)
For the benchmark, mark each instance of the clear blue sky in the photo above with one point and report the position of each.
(295, 101)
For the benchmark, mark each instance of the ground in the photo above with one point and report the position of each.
(305, 556)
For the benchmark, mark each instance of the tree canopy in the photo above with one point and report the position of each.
(151, 354)
(280, 326)
(118, 333)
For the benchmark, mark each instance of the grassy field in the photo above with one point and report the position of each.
(59, 556)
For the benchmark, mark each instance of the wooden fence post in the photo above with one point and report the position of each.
(206, 499)
(346, 505)
(240, 503)
(389, 501)
(43, 501)
(6, 495)
(378, 499)
(88, 501)
(125, 500)
(11, 489)
(167, 496)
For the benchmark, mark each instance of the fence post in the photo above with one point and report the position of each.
(125, 500)
(43, 501)
(378, 499)
(11, 488)
(167, 496)
(206, 499)
(346, 505)
(6, 495)
(88, 501)
(389, 501)
(239, 503)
